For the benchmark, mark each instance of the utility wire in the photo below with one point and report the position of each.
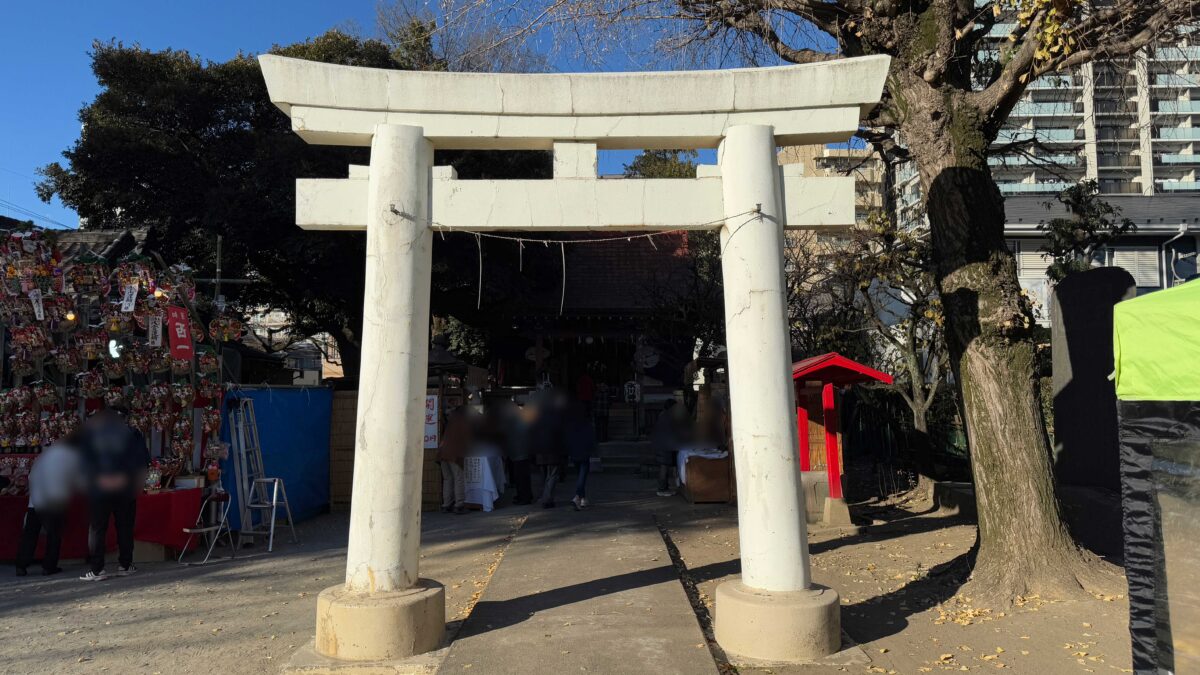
(21, 210)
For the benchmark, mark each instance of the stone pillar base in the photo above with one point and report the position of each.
(777, 626)
(380, 626)
(837, 513)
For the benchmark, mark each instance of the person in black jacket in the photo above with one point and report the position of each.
(115, 460)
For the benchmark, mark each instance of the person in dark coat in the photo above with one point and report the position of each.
(115, 460)
(546, 443)
(580, 438)
(516, 425)
(666, 439)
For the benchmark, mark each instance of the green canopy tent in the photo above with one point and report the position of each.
(1156, 354)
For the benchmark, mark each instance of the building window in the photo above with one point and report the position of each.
(1142, 263)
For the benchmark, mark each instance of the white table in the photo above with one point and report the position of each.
(484, 478)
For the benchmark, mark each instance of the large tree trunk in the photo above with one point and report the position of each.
(1023, 545)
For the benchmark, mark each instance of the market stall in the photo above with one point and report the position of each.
(1156, 354)
(83, 332)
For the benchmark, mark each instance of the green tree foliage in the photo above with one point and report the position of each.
(1074, 242)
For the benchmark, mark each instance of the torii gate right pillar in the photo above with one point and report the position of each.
(773, 612)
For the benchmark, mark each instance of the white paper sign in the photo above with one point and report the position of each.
(39, 310)
(154, 330)
(431, 421)
(129, 299)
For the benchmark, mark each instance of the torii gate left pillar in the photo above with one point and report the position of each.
(384, 610)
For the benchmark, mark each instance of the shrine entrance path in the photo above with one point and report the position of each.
(577, 592)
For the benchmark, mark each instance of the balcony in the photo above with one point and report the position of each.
(1177, 80)
(1179, 159)
(1168, 53)
(1046, 109)
(1178, 107)
(1002, 30)
(1033, 188)
(1043, 135)
(1025, 160)
(1179, 186)
(1054, 82)
(1179, 134)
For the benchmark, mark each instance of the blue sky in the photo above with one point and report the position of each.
(45, 73)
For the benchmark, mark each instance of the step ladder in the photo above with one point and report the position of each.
(259, 495)
(216, 504)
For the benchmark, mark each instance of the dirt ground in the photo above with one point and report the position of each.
(250, 615)
(900, 605)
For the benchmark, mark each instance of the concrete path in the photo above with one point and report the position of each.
(592, 591)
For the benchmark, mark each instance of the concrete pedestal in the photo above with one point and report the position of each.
(380, 626)
(778, 626)
(837, 513)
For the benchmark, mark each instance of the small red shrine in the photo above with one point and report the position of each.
(817, 380)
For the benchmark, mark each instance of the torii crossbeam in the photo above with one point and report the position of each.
(385, 610)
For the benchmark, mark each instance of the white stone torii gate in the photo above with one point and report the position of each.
(384, 610)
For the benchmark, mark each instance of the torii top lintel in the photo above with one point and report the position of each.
(807, 104)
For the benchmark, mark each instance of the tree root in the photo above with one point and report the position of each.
(1075, 574)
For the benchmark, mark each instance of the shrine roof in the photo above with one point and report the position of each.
(833, 368)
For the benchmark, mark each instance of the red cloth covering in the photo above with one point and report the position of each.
(161, 518)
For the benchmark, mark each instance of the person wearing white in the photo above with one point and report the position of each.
(53, 480)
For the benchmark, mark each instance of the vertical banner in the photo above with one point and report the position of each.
(431, 421)
(39, 310)
(129, 298)
(154, 326)
(179, 332)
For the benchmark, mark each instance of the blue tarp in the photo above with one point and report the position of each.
(293, 429)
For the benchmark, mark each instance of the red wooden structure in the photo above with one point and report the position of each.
(828, 371)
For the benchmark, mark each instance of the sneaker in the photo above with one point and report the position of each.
(92, 576)
(666, 493)
(126, 571)
(584, 503)
(460, 510)
(447, 509)
(21, 572)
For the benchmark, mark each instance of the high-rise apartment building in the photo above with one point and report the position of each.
(1133, 125)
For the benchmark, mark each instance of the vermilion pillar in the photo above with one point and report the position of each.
(802, 430)
(833, 466)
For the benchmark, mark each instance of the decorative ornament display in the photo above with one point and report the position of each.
(22, 365)
(208, 389)
(211, 420)
(177, 282)
(112, 368)
(160, 360)
(88, 276)
(92, 343)
(135, 272)
(136, 360)
(225, 329)
(114, 397)
(34, 340)
(183, 394)
(181, 366)
(208, 362)
(45, 394)
(117, 322)
(91, 384)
